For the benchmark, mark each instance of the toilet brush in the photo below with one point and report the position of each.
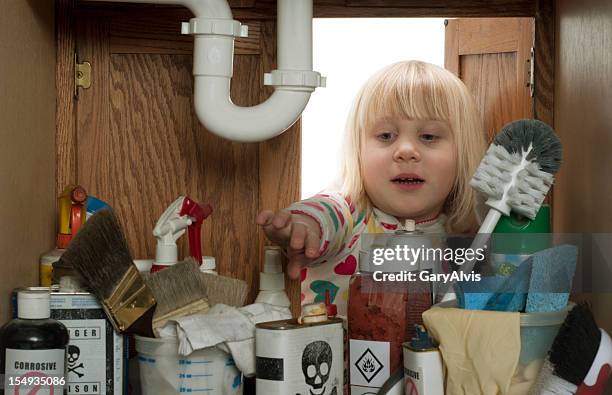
(515, 175)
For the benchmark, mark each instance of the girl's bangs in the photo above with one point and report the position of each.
(413, 95)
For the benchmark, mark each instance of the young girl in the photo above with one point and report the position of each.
(413, 140)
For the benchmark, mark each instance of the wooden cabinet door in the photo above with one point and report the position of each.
(133, 140)
(493, 58)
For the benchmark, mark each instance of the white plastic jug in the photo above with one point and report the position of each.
(163, 371)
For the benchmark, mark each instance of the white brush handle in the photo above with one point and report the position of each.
(489, 223)
(480, 240)
(482, 237)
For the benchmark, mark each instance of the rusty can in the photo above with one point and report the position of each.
(300, 358)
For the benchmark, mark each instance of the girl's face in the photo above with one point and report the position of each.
(409, 166)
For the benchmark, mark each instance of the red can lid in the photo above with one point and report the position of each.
(332, 309)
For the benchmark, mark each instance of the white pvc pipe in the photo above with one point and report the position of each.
(247, 124)
(213, 68)
(294, 34)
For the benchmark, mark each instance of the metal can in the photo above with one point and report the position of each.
(423, 371)
(300, 359)
(96, 358)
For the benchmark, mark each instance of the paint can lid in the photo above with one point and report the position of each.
(314, 312)
(33, 304)
(209, 264)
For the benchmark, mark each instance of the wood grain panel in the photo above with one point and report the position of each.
(454, 7)
(141, 145)
(266, 9)
(492, 80)
(489, 35)
(544, 61)
(162, 35)
(93, 109)
(583, 120)
(241, 3)
(65, 137)
(491, 56)
(279, 163)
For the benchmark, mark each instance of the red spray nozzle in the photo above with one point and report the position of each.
(198, 214)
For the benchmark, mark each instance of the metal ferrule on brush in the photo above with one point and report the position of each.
(130, 300)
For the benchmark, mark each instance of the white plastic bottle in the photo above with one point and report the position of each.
(272, 279)
(208, 265)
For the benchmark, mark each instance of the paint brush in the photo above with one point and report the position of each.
(100, 254)
(226, 290)
(179, 291)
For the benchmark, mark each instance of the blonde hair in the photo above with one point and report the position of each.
(418, 90)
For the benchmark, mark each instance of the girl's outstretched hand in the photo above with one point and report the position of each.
(299, 234)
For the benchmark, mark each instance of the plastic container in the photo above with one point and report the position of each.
(209, 265)
(46, 266)
(163, 371)
(538, 331)
(272, 279)
(143, 265)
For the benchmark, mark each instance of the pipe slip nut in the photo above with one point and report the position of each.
(220, 27)
(295, 78)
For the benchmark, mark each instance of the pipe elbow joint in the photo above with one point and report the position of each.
(223, 118)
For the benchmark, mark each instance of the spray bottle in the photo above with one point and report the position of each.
(272, 279)
(182, 215)
(170, 226)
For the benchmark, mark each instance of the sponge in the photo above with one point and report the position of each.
(551, 278)
(512, 294)
(474, 295)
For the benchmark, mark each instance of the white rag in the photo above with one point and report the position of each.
(229, 328)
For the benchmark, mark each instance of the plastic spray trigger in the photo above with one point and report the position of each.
(197, 214)
(170, 226)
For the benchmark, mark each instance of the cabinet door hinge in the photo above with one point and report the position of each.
(530, 68)
(82, 75)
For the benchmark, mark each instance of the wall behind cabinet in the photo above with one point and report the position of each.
(27, 142)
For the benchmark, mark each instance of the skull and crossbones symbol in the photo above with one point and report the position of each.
(316, 366)
(73, 356)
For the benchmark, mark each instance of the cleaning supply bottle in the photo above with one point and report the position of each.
(516, 238)
(170, 226)
(182, 215)
(382, 314)
(33, 347)
(423, 369)
(272, 279)
(209, 265)
(71, 213)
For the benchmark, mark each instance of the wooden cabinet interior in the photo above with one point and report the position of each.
(133, 140)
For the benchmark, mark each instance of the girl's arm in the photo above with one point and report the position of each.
(313, 230)
(334, 217)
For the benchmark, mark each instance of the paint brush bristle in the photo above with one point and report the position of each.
(99, 252)
(179, 292)
(176, 286)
